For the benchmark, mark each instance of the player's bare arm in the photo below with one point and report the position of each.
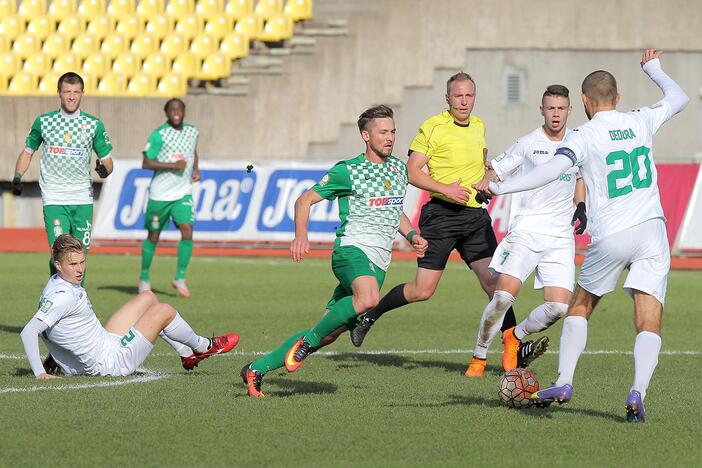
(418, 243)
(104, 166)
(300, 246)
(150, 164)
(23, 161)
(424, 181)
(196, 168)
(580, 214)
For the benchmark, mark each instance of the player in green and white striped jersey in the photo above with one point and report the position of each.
(171, 152)
(371, 189)
(69, 137)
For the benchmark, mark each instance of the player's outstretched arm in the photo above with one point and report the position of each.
(196, 168)
(300, 246)
(424, 181)
(673, 94)
(30, 341)
(418, 243)
(537, 177)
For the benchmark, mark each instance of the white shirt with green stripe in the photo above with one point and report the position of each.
(167, 145)
(370, 203)
(69, 140)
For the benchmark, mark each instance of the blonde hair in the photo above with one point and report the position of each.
(460, 76)
(65, 244)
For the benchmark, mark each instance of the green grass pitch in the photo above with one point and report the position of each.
(401, 400)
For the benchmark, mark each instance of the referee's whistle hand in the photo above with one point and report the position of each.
(456, 192)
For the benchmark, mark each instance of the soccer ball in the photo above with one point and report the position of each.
(516, 387)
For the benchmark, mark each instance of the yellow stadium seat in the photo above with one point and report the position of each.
(101, 26)
(113, 45)
(89, 83)
(62, 8)
(150, 8)
(236, 9)
(156, 65)
(144, 45)
(38, 64)
(96, 65)
(180, 8)
(41, 27)
(186, 64)
(277, 28)
(209, 8)
(234, 46)
(298, 10)
(250, 26)
(29, 9)
(269, 8)
(7, 8)
(142, 85)
(130, 26)
(10, 63)
(172, 85)
(127, 64)
(174, 45)
(204, 45)
(11, 26)
(85, 44)
(23, 84)
(160, 26)
(55, 45)
(48, 84)
(26, 45)
(66, 63)
(112, 84)
(90, 8)
(71, 27)
(214, 67)
(4, 44)
(3, 82)
(121, 8)
(219, 26)
(189, 26)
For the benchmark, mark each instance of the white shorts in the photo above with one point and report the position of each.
(643, 249)
(550, 258)
(126, 353)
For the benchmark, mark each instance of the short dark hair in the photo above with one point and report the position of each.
(600, 86)
(460, 76)
(65, 244)
(70, 78)
(173, 100)
(377, 112)
(556, 90)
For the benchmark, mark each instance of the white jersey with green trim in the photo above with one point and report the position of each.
(167, 145)
(68, 143)
(615, 153)
(370, 197)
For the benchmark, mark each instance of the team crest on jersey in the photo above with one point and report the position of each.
(387, 185)
(67, 137)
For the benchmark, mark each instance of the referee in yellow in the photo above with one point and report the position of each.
(452, 145)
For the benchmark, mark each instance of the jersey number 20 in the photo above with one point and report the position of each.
(630, 167)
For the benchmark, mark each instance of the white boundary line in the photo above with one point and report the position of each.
(149, 376)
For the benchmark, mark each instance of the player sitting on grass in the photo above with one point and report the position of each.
(80, 345)
(370, 188)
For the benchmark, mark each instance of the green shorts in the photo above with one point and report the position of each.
(158, 213)
(348, 263)
(76, 220)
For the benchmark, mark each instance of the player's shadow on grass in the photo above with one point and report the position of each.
(290, 387)
(10, 329)
(133, 290)
(396, 360)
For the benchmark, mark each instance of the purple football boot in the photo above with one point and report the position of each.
(547, 396)
(635, 411)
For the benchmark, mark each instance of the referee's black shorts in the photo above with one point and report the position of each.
(447, 226)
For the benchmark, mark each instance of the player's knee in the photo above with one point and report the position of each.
(164, 312)
(367, 302)
(557, 309)
(502, 300)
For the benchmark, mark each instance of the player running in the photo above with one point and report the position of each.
(371, 189)
(171, 152)
(69, 137)
(80, 345)
(540, 238)
(614, 153)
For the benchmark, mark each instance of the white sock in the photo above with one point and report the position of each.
(179, 330)
(646, 349)
(180, 348)
(540, 319)
(573, 340)
(491, 321)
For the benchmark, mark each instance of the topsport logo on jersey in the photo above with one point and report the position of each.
(221, 199)
(386, 201)
(65, 151)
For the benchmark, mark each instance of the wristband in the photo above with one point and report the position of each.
(18, 175)
(411, 235)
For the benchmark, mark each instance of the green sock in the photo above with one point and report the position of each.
(185, 251)
(276, 358)
(148, 249)
(339, 314)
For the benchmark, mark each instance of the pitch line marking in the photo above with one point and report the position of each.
(149, 376)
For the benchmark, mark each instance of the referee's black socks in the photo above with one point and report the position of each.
(509, 321)
(392, 300)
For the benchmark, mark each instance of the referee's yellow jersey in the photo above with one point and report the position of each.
(454, 151)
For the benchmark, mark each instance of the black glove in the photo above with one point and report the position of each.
(581, 216)
(16, 186)
(482, 197)
(101, 169)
